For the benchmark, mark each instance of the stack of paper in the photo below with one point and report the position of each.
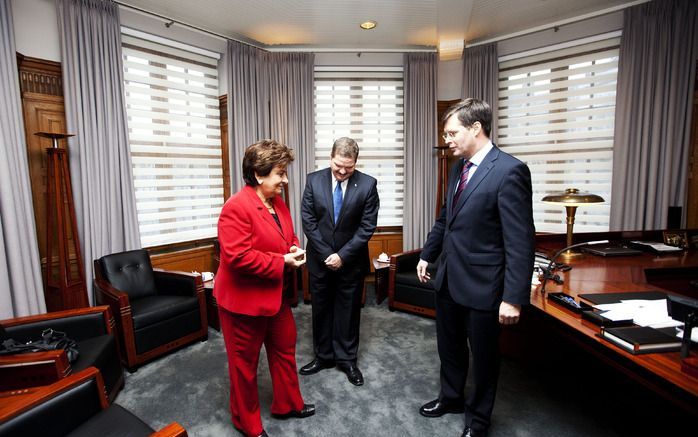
(652, 313)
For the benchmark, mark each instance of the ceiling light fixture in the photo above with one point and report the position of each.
(368, 25)
(450, 50)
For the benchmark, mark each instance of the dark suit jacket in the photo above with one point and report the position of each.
(251, 272)
(488, 238)
(355, 226)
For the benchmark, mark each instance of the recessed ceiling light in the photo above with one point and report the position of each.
(368, 25)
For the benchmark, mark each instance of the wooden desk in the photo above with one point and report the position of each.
(591, 274)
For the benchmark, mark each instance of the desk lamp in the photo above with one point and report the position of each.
(571, 198)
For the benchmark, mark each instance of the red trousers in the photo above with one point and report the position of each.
(244, 336)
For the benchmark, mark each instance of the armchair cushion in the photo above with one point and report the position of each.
(130, 272)
(166, 331)
(153, 309)
(102, 353)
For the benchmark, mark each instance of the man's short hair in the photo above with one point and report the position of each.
(261, 157)
(469, 111)
(345, 147)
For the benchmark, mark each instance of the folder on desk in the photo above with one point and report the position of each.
(603, 298)
(611, 250)
(642, 339)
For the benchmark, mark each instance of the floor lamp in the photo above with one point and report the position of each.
(64, 279)
(571, 198)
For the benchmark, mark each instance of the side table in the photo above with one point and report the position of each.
(382, 269)
(211, 306)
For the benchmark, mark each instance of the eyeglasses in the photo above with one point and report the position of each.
(448, 135)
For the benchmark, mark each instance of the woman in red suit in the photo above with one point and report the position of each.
(254, 285)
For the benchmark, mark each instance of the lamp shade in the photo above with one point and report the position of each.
(572, 197)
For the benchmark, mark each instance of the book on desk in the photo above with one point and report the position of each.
(642, 339)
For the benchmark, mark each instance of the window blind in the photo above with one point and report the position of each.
(174, 135)
(556, 113)
(368, 107)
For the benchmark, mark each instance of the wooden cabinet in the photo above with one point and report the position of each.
(43, 110)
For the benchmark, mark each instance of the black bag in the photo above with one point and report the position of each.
(50, 340)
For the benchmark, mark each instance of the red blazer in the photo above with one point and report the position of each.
(250, 275)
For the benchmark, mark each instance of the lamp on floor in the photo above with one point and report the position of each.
(64, 279)
(571, 198)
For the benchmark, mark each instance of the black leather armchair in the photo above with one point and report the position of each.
(405, 292)
(93, 330)
(74, 406)
(156, 310)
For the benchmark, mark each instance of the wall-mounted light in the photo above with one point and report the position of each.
(368, 25)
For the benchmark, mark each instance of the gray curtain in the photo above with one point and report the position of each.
(271, 96)
(20, 269)
(481, 78)
(292, 120)
(656, 72)
(248, 103)
(100, 161)
(421, 136)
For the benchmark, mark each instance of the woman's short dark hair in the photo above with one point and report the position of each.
(261, 157)
(469, 111)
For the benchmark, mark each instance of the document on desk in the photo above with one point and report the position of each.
(652, 313)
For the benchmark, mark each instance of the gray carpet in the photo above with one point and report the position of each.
(400, 365)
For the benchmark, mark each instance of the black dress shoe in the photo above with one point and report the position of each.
(307, 411)
(438, 408)
(353, 373)
(469, 432)
(315, 366)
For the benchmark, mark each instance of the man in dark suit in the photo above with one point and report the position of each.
(485, 236)
(339, 212)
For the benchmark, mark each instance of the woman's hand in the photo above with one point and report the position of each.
(295, 257)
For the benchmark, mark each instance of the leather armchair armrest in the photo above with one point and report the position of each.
(174, 429)
(18, 371)
(405, 261)
(120, 305)
(178, 283)
(64, 395)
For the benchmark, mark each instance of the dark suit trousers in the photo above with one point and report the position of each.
(460, 331)
(336, 298)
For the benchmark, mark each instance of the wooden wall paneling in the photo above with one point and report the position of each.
(42, 113)
(199, 259)
(41, 87)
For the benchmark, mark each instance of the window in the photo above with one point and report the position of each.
(174, 134)
(556, 113)
(368, 107)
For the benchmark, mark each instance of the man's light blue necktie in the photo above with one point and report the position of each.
(337, 201)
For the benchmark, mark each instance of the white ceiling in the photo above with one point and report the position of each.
(402, 24)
